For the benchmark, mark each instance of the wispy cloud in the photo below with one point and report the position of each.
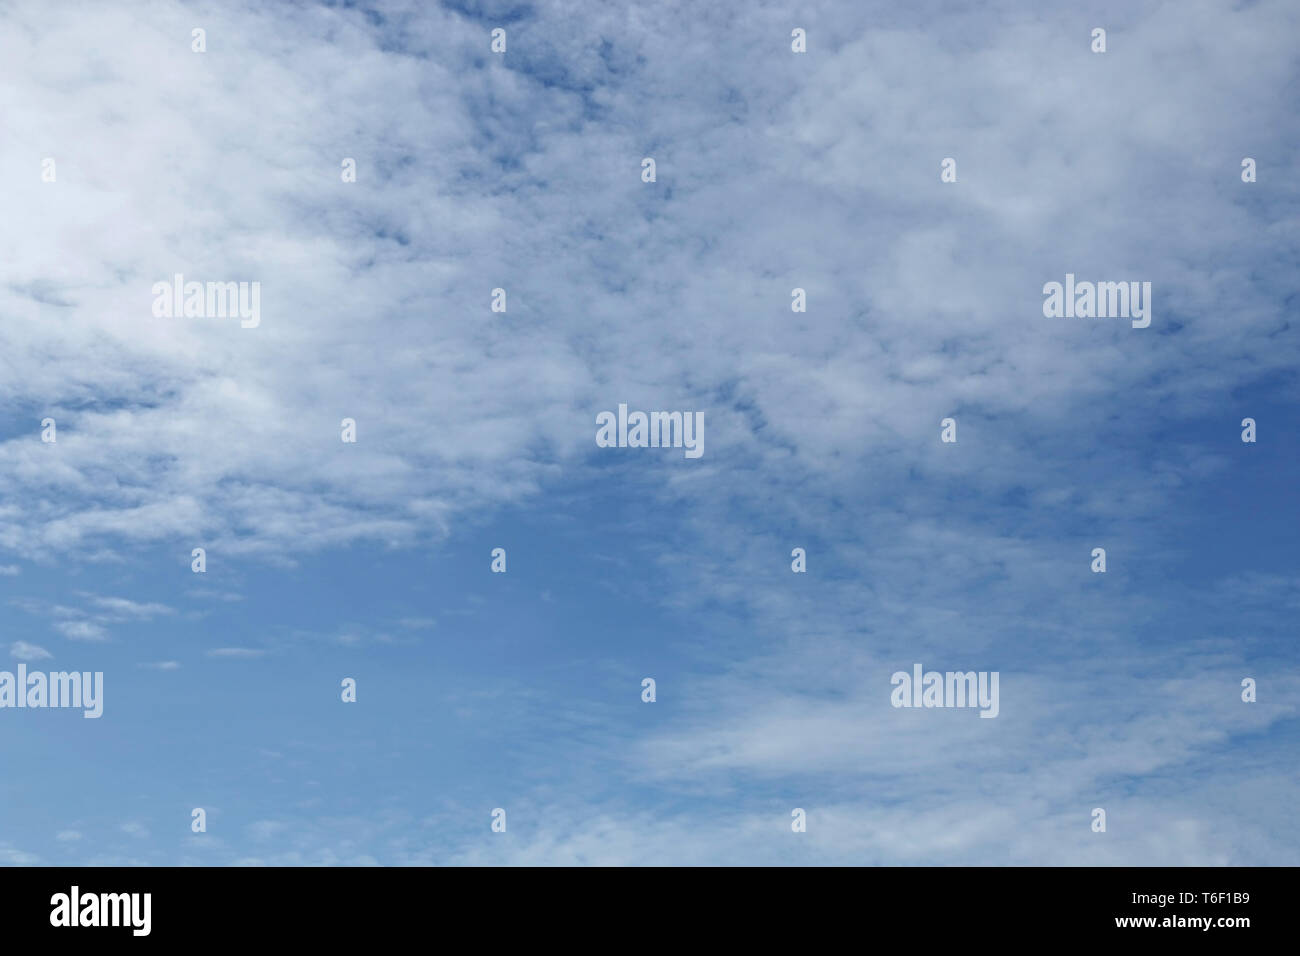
(28, 652)
(818, 171)
(81, 630)
(123, 608)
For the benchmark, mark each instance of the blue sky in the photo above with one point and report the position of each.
(477, 430)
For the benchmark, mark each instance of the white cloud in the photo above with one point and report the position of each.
(15, 857)
(819, 172)
(28, 652)
(81, 630)
(122, 608)
(265, 829)
(932, 304)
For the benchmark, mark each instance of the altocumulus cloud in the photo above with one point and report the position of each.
(774, 172)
